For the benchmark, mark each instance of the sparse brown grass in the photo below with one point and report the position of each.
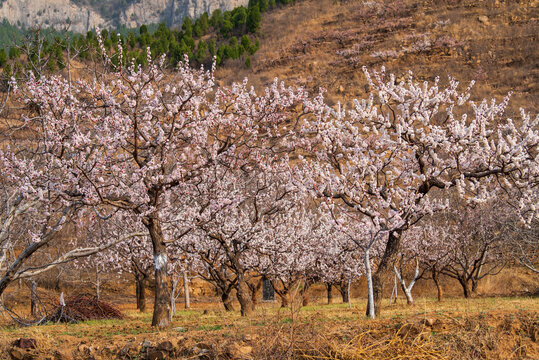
(482, 328)
(324, 43)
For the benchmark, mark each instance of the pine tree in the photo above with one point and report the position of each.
(253, 19)
(201, 53)
(3, 57)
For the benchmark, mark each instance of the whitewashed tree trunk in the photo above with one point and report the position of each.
(348, 292)
(368, 274)
(394, 292)
(186, 290)
(174, 282)
(408, 289)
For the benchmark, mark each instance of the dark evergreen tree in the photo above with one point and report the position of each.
(217, 19)
(202, 51)
(187, 27)
(212, 47)
(254, 18)
(239, 16)
(3, 58)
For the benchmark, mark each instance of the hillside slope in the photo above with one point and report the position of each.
(323, 43)
(87, 14)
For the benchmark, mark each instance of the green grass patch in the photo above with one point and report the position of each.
(209, 327)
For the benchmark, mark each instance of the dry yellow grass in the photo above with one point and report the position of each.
(484, 327)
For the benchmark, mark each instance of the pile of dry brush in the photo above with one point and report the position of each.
(80, 308)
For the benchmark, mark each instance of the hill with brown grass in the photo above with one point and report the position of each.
(325, 43)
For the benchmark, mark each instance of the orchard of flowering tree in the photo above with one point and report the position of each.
(166, 175)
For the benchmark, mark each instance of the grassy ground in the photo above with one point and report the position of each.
(483, 328)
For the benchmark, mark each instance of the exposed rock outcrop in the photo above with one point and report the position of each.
(52, 13)
(58, 13)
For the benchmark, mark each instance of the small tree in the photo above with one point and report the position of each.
(253, 19)
(477, 243)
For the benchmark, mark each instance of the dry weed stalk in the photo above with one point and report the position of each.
(405, 343)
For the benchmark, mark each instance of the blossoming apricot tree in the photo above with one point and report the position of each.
(395, 157)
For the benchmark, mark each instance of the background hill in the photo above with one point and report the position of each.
(324, 43)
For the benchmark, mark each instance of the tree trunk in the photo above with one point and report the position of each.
(141, 294)
(466, 287)
(436, 279)
(255, 288)
(244, 297)
(284, 298)
(161, 307)
(330, 292)
(33, 298)
(304, 293)
(475, 279)
(371, 304)
(390, 253)
(475, 283)
(407, 289)
(305, 299)
(227, 301)
(282, 293)
(348, 297)
(97, 284)
(186, 290)
(174, 280)
(409, 297)
(11, 272)
(137, 292)
(394, 293)
(344, 290)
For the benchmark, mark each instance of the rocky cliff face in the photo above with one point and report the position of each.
(51, 13)
(172, 11)
(57, 13)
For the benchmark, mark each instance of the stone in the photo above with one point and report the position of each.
(179, 329)
(25, 343)
(201, 353)
(250, 337)
(155, 354)
(240, 351)
(165, 346)
(146, 344)
(17, 353)
(129, 347)
(205, 346)
(62, 355)
(428, 322)
(106, 352)
(483, 19)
